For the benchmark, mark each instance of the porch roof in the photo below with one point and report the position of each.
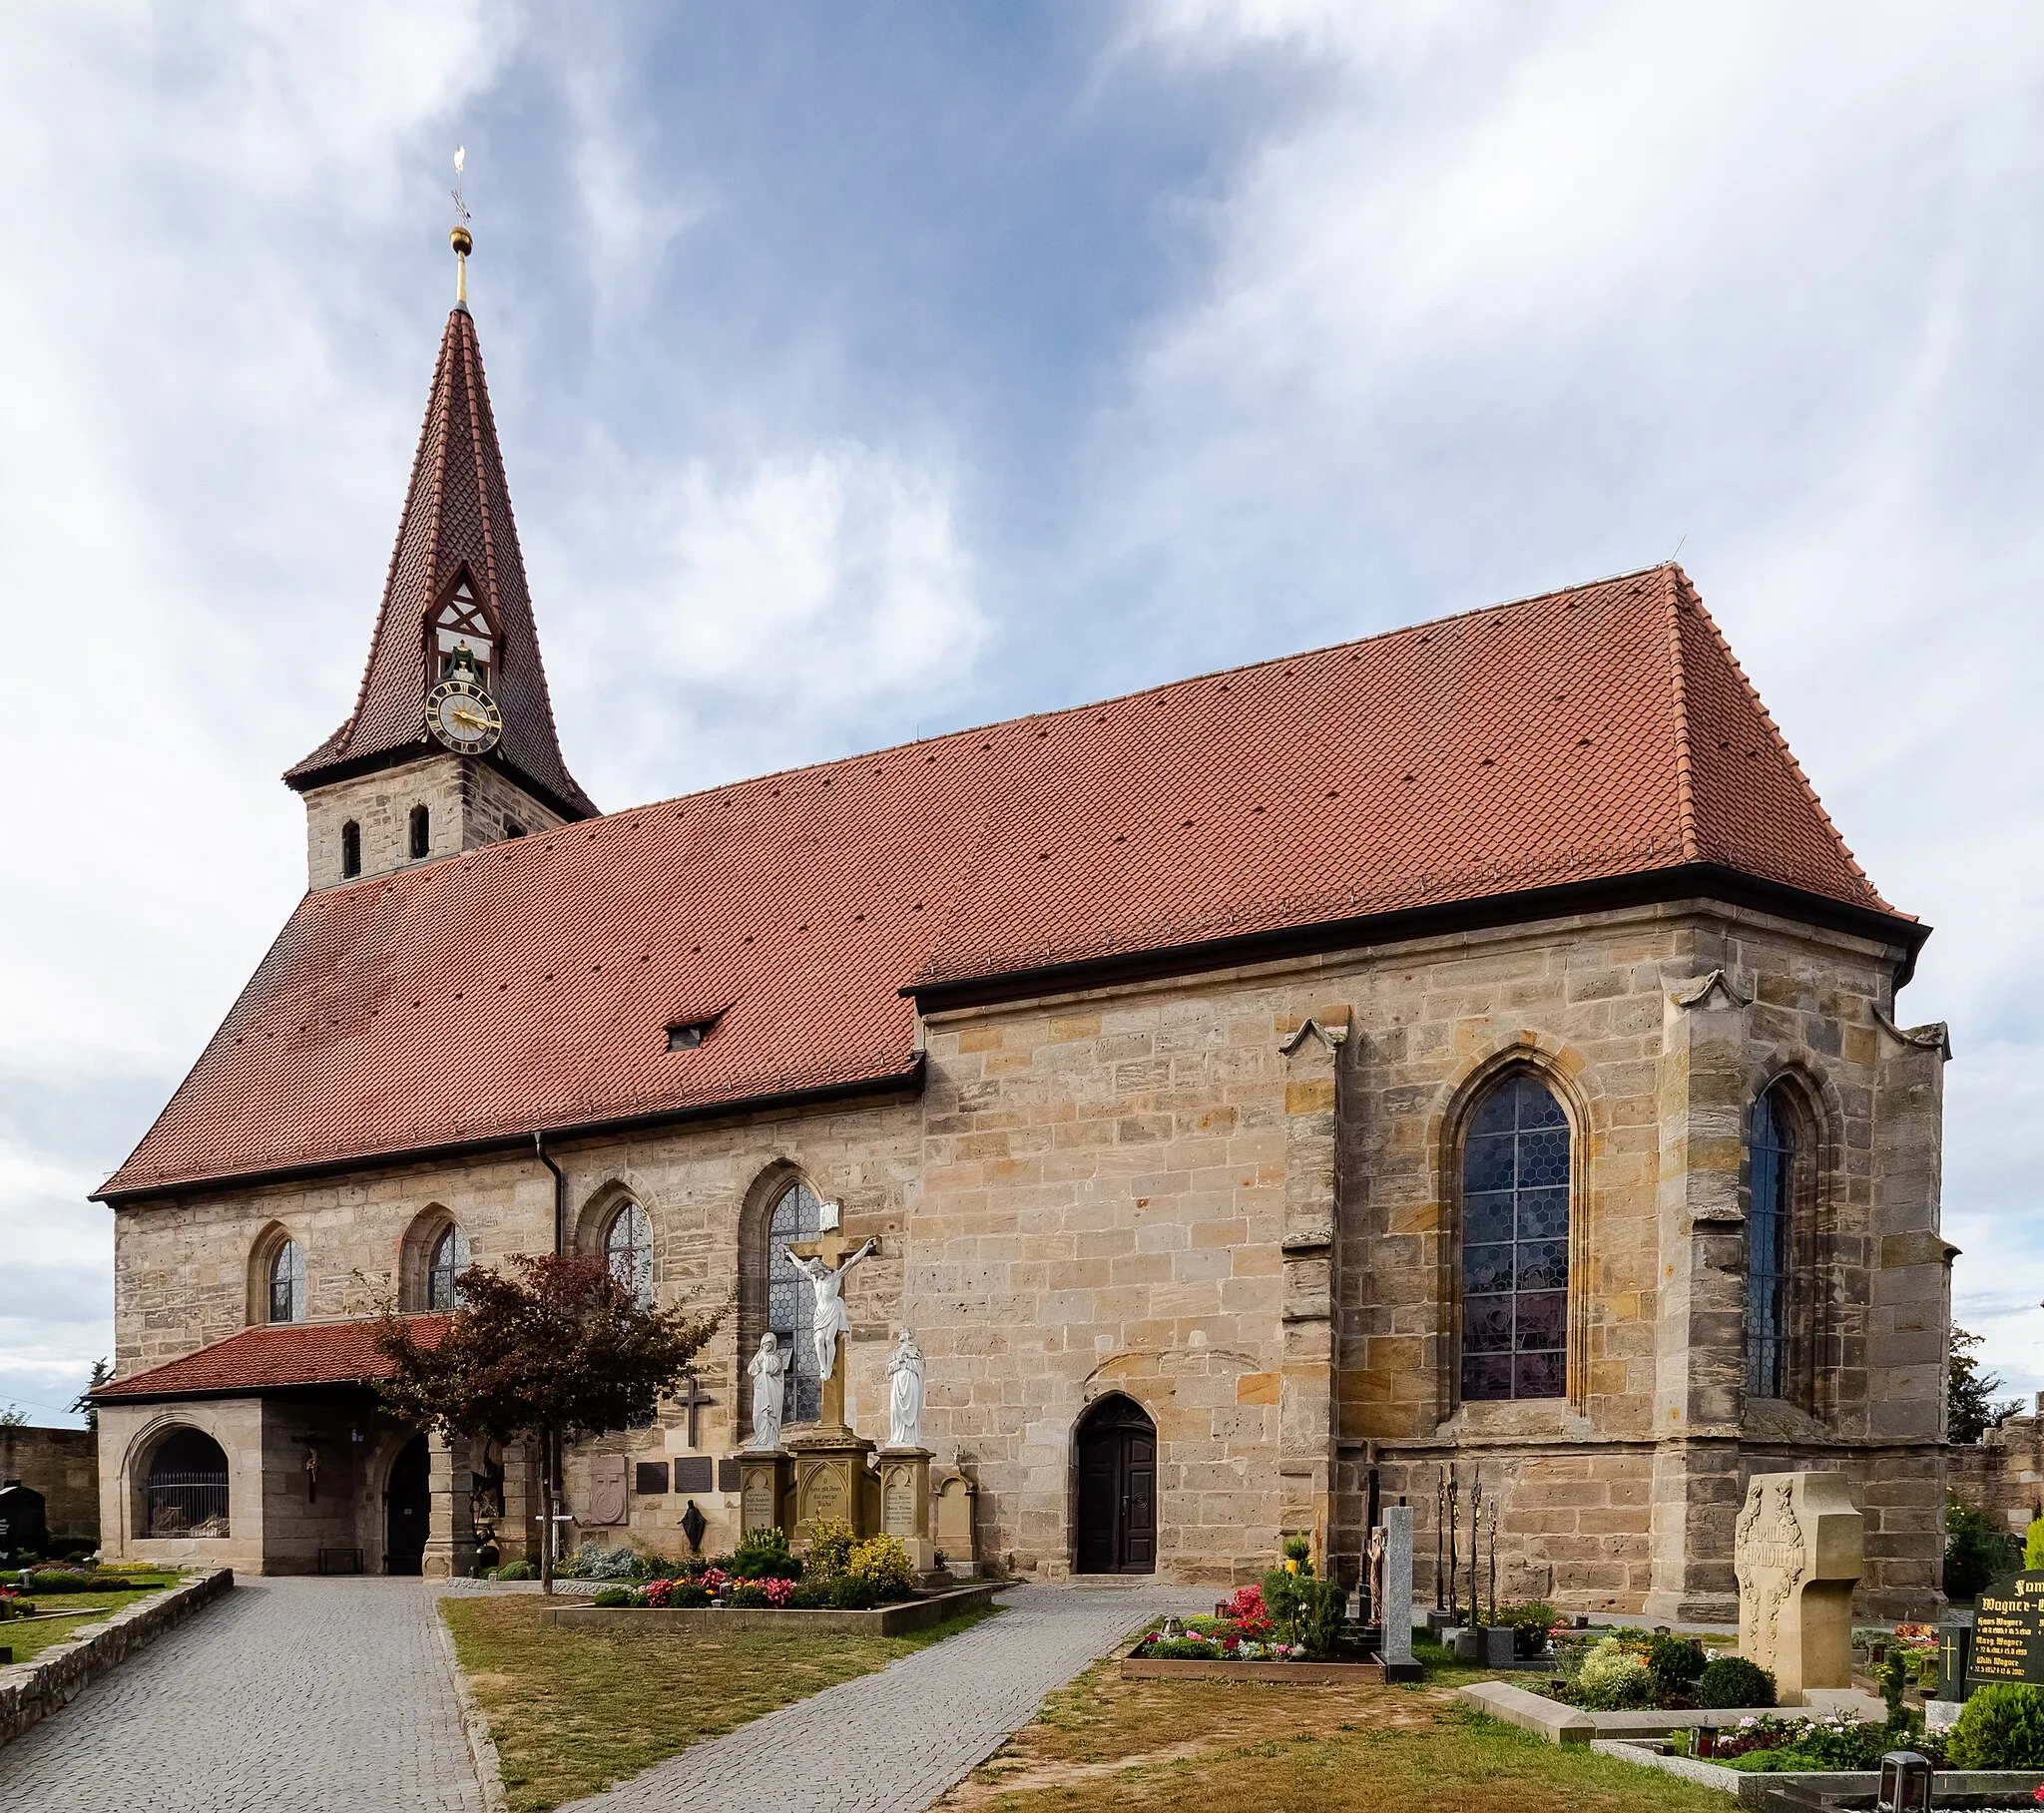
(273, 1356)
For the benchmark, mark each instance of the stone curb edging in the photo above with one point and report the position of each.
(1187, 1668)
(1950, 1787)
(882, 1621)
(476, 1730)
(31, 1691)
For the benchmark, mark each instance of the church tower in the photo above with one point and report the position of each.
(452, 743)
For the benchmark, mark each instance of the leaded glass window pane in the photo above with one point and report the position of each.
(1772, 1170)
(628, 1250)
(1516, 1244)
(451, 1260)
(791, 1299)
(288, 1283)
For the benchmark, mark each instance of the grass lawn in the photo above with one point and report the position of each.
(1111, 1744)
(28, 1638)
(574, 1711)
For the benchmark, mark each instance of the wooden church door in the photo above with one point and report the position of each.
(1117, 1531)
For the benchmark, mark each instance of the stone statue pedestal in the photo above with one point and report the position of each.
(833, 1480)
(906, 1504)
(1797, 1551)
(765, 1489)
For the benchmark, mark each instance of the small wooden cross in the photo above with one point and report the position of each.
(696, 1400)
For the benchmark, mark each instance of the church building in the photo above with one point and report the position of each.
(1469, 1047)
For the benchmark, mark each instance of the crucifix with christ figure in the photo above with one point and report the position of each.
(824, 1262)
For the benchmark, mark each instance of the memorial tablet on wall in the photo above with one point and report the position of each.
(2009, 1631)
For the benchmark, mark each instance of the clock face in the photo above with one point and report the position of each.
(464, 716)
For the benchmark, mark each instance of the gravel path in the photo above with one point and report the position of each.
(289, 1695)
(893, 1741)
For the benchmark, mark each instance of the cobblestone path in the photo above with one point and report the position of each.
(290, 1695)
(892, 1741)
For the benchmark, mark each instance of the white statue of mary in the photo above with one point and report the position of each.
(904, 1392)
(770, 1386)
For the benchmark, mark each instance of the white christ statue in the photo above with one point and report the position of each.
(828, 1320)
(904, 1392)
(770, 1374)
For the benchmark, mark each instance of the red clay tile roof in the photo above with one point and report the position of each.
(273, 1355)
(1590, 735)
(457, 513)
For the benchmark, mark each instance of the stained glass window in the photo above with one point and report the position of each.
(1516, 1244)
(288, 1283)
(449, 1261)
(628, 1250)
(791, 1299)
(1772, 1153)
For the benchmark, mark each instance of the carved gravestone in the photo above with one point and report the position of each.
(606, 1488)
(2008, 1634)
(23, 1527)
(1396, 1610)
(1797, 1552)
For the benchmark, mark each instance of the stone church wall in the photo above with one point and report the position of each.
(468, 804)
(2003, 1473)
(1233, 1199)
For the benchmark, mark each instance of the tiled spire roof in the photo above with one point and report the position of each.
(1591, 747)
(457, 516)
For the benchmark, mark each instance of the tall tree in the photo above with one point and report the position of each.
(1969, 1393)
(550, 1344)
(83, 1403)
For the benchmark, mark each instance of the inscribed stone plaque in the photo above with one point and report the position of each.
(757, 1512)
(691, 1473)
(651, 1477)
(728, 1474)
(2008, 1632)
(1797, 1550)
(826, 1493)
(607, 1489)
(898, 1516)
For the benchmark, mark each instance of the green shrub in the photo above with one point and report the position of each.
(882, 1562)
(851, 1593)
(2034, 1544)
(1732, 1680)
(1675, 1662)
(813, 1595)
(761, 1554)
(689, 1592)
(748, 1594)
(1323, 1609)
(1976, 1553)
(60, 1580)
(620, 1596)
(830, 1545)
(2002, 1727)
(1281, 1599)
(515, 1571)
(1183, 1649)
(1613, 1677)
(1299, 1549)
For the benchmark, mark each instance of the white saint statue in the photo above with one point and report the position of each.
(904, 1392)
(770, 1386)
(828, 1320)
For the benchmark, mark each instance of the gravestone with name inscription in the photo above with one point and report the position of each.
(1798, 1550)
(2008, 1632)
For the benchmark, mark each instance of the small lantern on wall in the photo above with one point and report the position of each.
(1904, 1784)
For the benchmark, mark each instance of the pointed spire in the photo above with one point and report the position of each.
(457, 555)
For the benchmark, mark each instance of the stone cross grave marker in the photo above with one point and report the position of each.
(1797, 1552)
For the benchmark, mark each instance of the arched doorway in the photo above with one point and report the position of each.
(1117, 1489)
(407, 1507)
(185, 1493)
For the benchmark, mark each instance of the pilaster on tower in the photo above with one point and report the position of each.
(410, 776)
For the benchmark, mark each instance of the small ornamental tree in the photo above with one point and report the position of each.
(552, 1343)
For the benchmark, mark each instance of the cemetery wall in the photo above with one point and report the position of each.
(63, 1465)
(2003, 1473)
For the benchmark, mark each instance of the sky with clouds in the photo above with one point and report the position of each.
(867, 371)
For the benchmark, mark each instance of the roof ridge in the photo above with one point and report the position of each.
(1710, 623)
(1684, 789)
(1118, 698)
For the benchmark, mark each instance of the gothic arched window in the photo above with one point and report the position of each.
(1515, 1243)
(791, 1298)
(288, 1283)
(449, 1261)
(1770, 1153)
(351, 850)
(628, 1250)
(421, 832)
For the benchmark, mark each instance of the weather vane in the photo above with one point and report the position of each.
(461, 238)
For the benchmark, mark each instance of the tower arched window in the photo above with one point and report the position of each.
(288, 1283)
(421, 832)
(351, 850)
(791, 1298)
(449, 1260)
(1771, 1169)
(628, 1250)
(1515, 1243)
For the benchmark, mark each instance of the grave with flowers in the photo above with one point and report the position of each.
(840, 1583)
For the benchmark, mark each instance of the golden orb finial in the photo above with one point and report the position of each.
(461, 238)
